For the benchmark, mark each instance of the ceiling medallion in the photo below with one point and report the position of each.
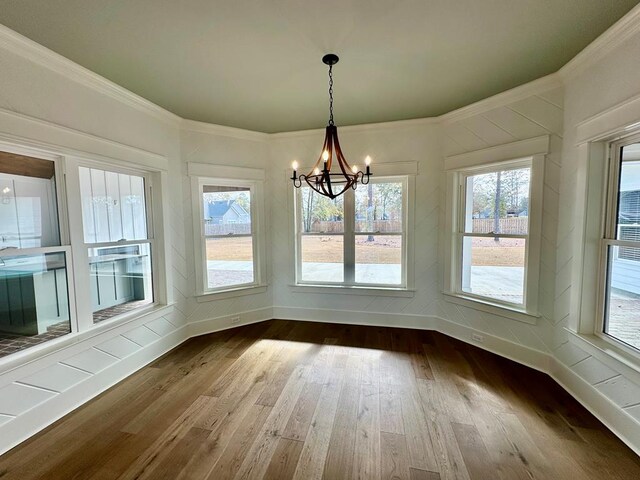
(323, 180)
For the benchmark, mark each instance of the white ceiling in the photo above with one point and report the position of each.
(257, 64)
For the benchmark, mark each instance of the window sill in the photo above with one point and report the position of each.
(608, 352)
(493, 308)
(231, 293)
(37, 352)
(352, 290)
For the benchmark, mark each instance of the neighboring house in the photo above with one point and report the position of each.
(224, 212)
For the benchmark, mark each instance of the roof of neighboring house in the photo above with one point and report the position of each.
(220, 207)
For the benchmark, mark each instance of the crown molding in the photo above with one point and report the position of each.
(618, 33)
(363, 127)
(504, 98)
(622, 30)
(15, 43)
(223, 131)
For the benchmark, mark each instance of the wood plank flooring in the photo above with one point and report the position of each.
(281, 400)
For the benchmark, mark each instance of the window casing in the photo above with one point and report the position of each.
(495, 258)
(36, 274)
(356, 240)
(118, 261)
(227, 235)
(116, 220)
(619, 290)
(51, 249)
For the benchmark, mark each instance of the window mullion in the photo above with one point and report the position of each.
(349, 237)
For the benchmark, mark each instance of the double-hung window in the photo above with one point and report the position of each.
(227, 242)
(36, 303)
(496, 234)
(118, 243)
(357, 239)
(620, 278)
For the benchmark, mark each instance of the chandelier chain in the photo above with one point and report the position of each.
(331, 95)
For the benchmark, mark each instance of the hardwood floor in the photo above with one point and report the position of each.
(300, 400)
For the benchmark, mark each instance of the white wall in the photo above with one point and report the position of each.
(606, 83)
(74, 110)
(511, 120)
(207, 144)
(387, 143)
(52, 104)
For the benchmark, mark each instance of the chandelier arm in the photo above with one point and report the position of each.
(316, 189)
(330, 146)
(342, 162)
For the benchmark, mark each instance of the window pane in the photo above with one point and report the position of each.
(226, 210)
(28, 209)
(113, 206)
(34, 300)
(101, 205)
(321, 214)
(229, 261)
(379, 259)
(498, 202)
(628, 227)
(322, 258)
(379, 207)
(494, 268)
(120, 279)
(622, 310)
(113, 210)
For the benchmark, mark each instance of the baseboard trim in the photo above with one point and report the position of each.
(225, 322)
(352, 317)
(40, 417)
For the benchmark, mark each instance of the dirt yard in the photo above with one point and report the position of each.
(384, 249)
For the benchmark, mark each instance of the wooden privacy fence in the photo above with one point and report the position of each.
(507, 225)
(361, 226)
(230, 228)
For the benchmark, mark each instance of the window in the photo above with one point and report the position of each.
(621, 246)
(34, 280)
(357, 239)
(495, 248)
(227, 234)
(118, 246)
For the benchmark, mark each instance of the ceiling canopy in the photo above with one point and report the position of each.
(257, 64)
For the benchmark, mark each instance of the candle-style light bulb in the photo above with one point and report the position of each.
(325, 155)
(294, 165)
(354, 169)
(316, 171)
(367, 162)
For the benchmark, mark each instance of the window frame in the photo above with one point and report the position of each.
(152, 190)
(529, 310)
(610, 193)
(63, 235)
(256, 187)
(349, 235)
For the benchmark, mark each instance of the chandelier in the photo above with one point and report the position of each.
(325, 181)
